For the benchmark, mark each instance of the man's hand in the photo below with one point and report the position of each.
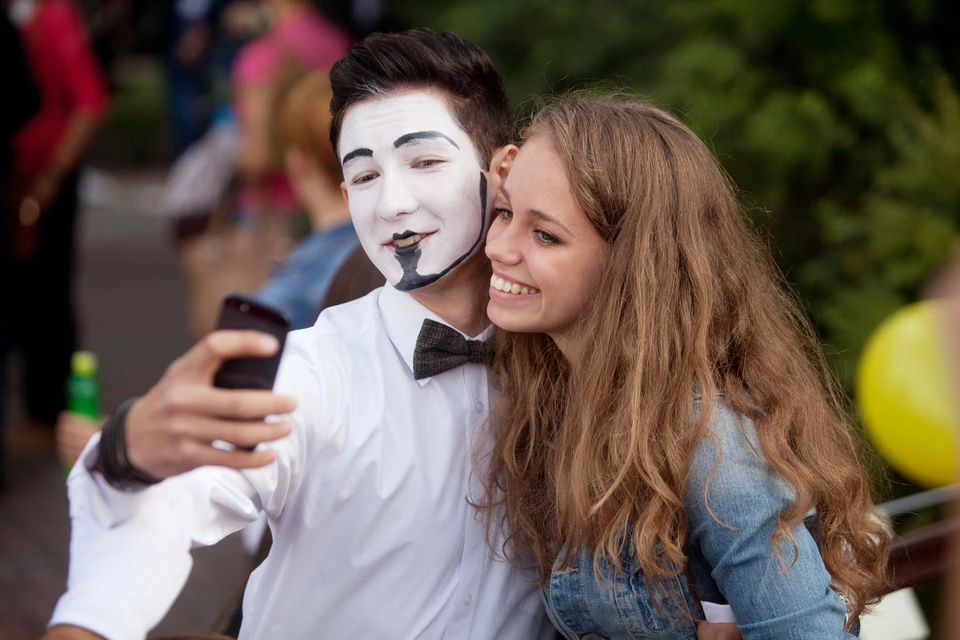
(170, 430)
(718, 631)
(69, 632)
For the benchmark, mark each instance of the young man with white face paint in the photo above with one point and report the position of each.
(366, 479)
(418, 196)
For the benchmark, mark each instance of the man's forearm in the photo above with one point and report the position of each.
(69, 632)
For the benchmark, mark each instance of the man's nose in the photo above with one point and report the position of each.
(395, 199)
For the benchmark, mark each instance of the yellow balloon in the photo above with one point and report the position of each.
(903, 391)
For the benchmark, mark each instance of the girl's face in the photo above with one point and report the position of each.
(546, 255)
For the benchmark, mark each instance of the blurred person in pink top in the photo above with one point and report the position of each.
(48, 150)
(299, 39)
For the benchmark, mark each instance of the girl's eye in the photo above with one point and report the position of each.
(506, 214)
(428, 163)
(545, 238)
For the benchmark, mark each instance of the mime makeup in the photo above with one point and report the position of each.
(409, 256)
(415, 186)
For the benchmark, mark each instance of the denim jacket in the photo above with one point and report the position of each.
(299, 286)
(732, 563)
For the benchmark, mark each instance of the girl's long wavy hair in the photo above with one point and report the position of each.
(597, 456)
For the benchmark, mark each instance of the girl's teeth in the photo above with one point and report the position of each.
(508, 287)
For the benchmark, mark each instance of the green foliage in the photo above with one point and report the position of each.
(135, 129)
(838, 119)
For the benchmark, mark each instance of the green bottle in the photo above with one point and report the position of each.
(83, 389)
(83, 386)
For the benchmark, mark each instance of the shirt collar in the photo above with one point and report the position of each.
(403, 317)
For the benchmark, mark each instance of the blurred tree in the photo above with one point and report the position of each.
(838, 119)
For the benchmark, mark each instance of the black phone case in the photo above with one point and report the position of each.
(241, 312)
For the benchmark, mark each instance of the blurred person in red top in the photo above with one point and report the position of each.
(42, 207)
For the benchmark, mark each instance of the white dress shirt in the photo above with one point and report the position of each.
(368, 504)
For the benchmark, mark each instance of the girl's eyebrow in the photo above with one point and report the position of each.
(536, 213)
(540, 215)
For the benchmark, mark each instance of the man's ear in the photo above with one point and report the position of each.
(500, 165)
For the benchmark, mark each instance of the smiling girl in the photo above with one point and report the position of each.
(668, 433)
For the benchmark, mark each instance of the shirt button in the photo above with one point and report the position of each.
(478, 407)
(467, 599)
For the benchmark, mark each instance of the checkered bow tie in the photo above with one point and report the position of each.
(441, 348)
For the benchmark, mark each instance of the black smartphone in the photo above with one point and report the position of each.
(241, 312)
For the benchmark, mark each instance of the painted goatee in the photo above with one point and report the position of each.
(410, 258)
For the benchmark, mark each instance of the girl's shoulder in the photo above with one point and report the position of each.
(726, 426)
(727, 468)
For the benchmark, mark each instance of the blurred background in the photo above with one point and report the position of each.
(838, 119)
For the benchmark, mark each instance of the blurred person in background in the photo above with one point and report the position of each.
(299, 40)
(236, 213)
(301, 283)
(19, 101)
(107, 24)
(190, 31)
(42, 197)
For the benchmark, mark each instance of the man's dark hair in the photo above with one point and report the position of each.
(384, 63)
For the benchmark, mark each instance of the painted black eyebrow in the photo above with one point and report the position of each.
(362, 152)
(421, 135)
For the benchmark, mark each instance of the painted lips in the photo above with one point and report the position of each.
(407, 240)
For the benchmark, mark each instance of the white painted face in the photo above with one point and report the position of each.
(416, 190)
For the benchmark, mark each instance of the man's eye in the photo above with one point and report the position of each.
(506, 214)
(427, 163)
(366, 177)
